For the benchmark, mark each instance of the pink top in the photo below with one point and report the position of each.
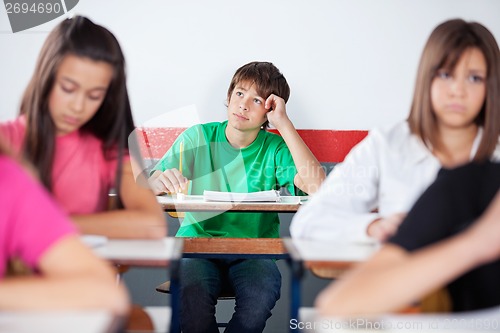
(30, 222)
(81, 177)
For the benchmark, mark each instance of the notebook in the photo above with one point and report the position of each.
(261, 196)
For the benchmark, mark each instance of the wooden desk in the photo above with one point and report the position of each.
(142, 253)
(149, 253)
(323, 255)
(195, 203)
(332, 255)
(235, 248)
(58, 322)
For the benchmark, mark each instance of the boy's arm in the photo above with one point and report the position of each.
(399, 277)
(71, 277)
(310, 174)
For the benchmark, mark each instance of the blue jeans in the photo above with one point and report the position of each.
(256, 284)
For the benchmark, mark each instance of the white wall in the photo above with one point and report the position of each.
(350, 63)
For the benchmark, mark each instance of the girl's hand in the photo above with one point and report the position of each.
(277, 111)
(169, 181)
(485, 232)
(386, 227)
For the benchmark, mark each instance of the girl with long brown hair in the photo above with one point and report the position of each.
(73, 127)
(454, 119)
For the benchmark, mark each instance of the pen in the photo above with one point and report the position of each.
(181, 149)
(148, 146)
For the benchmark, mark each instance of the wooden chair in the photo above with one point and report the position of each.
(139, 320)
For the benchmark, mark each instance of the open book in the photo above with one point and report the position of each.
(261, 196)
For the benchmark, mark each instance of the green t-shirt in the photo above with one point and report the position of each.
(213, 164)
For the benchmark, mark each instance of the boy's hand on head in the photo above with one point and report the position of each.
(169, 181)
(277, 111)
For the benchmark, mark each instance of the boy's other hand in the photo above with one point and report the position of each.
(277, 111)
(169, 181)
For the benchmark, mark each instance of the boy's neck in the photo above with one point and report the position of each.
(240, 139)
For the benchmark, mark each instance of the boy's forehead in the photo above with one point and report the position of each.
(244, 84)
(247, 86)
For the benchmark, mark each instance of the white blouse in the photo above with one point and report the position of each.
(388, 171)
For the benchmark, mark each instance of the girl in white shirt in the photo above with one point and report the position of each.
(454, 118)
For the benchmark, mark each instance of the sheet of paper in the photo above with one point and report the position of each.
(262, 196)
(93, 241)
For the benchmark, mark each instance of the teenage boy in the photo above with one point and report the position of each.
(237, 155)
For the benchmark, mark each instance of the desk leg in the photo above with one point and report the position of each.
(297, 270)
(175, 326)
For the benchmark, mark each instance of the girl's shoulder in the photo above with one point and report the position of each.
(14, 177)
(396, 139)
(396, 136)
(392, 132)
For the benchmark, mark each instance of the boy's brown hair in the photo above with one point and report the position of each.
(267, 79)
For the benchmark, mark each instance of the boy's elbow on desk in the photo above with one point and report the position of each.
(310, 185)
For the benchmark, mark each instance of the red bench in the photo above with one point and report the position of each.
(329, 146)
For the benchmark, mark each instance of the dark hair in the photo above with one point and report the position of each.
(112, 122)
(266, 77)
(444, 48)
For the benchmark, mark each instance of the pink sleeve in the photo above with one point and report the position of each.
(30, 222)
(13, 133)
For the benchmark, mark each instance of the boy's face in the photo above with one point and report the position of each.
(246, 110)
